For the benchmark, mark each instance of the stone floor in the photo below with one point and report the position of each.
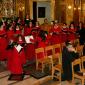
(28, 80)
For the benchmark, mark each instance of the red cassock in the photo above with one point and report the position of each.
(30, 50)
(48, 40)
(18, 32)
(56, 35)
(27, 31)
(72, 34)
(10, 35)
(22, 52)
(3, 45)
(64, 34)
(41, 44)
(14, 62)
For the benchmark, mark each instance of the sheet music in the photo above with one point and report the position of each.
(27, 39)
(19, 47)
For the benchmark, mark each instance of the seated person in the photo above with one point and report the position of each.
(68, 55)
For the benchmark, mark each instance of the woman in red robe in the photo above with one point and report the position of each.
(64, 33)
(10, 33)
(28, 29)
(17, 31)
(22, 55)
(56, 34)
(3, 43)
(14, 61)
(72, 33)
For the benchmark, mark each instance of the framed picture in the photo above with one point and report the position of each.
(41, 12)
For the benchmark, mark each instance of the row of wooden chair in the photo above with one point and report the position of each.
(52, 55)
(80, 74)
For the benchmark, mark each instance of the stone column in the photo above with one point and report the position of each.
(27, 7)
(69, 10)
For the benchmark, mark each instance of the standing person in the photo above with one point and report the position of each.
(14, 61)
(28, 29)
(22, 55)
(3, 43)
(64, 33)
(46, 26)
(27, 19)
(81, 32)
(10, 33)
(68, 55)
(72, 33)
(56, 34)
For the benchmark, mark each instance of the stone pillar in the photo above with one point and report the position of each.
(27, 7)
(20, 8)
(57, 10)
(69, 10)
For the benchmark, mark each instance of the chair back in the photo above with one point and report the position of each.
(40, 53)
(49, 51)
(83, 62)
(57, 52)
(76, 62)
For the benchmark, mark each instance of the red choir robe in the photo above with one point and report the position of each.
(17, 32)
(3, 45)
(30, 50)
(56, 35)
(22, 52)
(14, 62)
(10, 34)
(41, 44)
(64, 34)
(72, 34)
(27, 31)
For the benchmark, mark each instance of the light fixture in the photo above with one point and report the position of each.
(79, 8)
(74, 8)
(69, 7)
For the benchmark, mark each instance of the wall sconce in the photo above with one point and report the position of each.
(69, 7)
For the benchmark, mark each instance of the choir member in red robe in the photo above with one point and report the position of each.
(72, 33)
(28, 29)
(3, 43)
(14, 61)
(22, 55)
(17, 31)
(27, 19)
(56, 34)
(30, 49)
(37, 26)
(64, 33)
(10, 33)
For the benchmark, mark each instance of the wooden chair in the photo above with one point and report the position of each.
(57, 56)
(40, 56)
(49, 55)
(79, 74)
(83, 63)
